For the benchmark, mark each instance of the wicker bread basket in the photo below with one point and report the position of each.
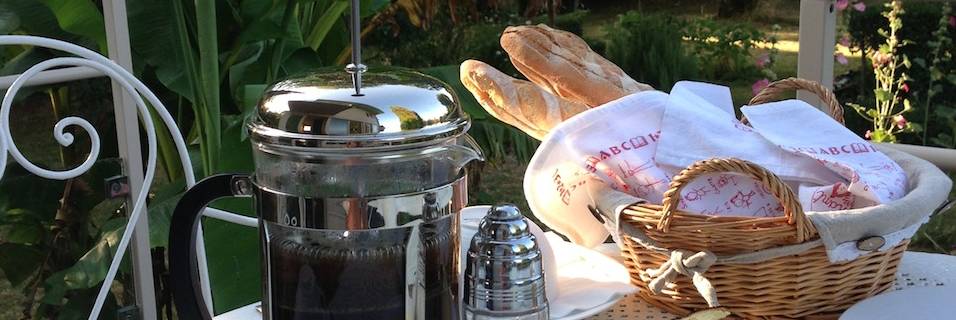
(804, 285)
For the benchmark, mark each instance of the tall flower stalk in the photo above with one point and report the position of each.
(889, 67)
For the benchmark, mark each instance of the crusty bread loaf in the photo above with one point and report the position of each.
(562, 63)
(516, 102)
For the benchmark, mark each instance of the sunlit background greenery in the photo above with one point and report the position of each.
(209, 61)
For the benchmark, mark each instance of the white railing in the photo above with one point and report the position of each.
(943, 158)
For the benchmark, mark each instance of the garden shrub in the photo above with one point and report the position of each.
(407, 46)
(444, 45)
(724, 48)
(650, 49)
(661, 50)
(572, 22)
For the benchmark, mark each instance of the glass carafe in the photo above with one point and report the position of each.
(357, 196)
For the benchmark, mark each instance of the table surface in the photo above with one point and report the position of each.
(916, 270)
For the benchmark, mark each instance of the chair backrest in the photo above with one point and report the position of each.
(88, 64)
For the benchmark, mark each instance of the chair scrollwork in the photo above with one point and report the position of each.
(135, 88)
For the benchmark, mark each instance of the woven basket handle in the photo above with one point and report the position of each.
(791, 206)
(775, 89)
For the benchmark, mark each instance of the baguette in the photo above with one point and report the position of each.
(516, 102)
(565, 65)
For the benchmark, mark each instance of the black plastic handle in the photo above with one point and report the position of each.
(183, 264)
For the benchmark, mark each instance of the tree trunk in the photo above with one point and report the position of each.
(735, 8)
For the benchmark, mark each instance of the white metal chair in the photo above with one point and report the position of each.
(94, 64)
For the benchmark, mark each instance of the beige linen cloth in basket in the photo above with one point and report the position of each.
(928, 188)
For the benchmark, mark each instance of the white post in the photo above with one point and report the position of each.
(817, 39)
(127, 135)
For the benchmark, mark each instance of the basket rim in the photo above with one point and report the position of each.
(927, 184)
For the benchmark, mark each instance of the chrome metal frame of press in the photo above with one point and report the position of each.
(359, 180)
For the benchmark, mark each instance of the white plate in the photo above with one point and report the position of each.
(926, 303)
(606, 279)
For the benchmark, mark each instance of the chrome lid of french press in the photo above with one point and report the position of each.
(504, 277)
(394, 107)
(358, 107)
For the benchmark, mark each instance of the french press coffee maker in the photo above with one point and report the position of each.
(359, 180)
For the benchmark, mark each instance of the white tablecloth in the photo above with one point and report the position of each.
(916, 270)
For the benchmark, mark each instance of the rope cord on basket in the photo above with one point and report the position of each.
(694, 265)
(834, 109)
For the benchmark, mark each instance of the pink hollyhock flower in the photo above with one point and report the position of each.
(952, 21)
(841, 59)
(859, 6)
(906, 88)
(762, 60)
(868, 134)
(842, 4)
(900, 121)
(845, 41)
(760, 85)
(880, 59)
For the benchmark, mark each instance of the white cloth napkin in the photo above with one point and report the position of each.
(699, 123)
(576, 279)
(637, 143)
(614, 142)
(801, 129)
(588, 279)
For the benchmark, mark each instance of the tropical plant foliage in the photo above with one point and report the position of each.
(209, 61)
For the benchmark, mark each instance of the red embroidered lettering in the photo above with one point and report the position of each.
(638, 142)
(591, 164)
(563, 192)
(858, 147)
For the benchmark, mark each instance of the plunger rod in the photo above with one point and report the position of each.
(356, 67)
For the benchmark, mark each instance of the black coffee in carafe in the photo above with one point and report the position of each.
(361, 274)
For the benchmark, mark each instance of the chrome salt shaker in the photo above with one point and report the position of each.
(504, 278)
